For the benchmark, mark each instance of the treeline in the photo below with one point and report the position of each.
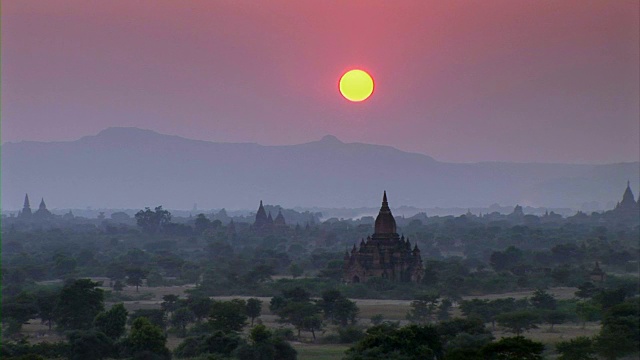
(216, 328)
(461, 255)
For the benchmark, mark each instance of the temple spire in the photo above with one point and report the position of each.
(26, 209)
(261, 217)
(628, 200)
(385, 223)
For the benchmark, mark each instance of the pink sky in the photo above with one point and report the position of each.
(462, 81)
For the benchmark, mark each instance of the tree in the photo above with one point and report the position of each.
(217, 343)
(345, 312)
(152, 222)
(513, 348)
(157, 317)
(609, 298)
(543, 300)
(254, 308)
(297, 294)
(505, 260)
(89, 345)
(377, 319)
(299, 314)
(191, 272)
(228, 315)
(443, 309)
(463, 334)
(580, 348)
(181, 318)
(19, 310)
(518, 321)
(553, 317)
(202, 223)
(337, 308)
(135, 277)
(112, 323)
(259, 274)
(620, 332)
(46, 304)
(80, 302)
(146, 340)
(587, 311)
(115, 272)
(390, 342)
(481, 309)
(118, 285)
(310, 323)
(263, 345)
(200, 307)
(170, 303)
(296, 270)
(422, 308)
(586, 290)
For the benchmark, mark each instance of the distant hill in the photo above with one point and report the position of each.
(133, 168)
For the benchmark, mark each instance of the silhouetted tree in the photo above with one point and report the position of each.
(254, 308)
(135, 277)
(152, 222)
(112, 323)
(80, 302)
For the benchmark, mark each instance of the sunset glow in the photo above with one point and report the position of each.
(356, 85)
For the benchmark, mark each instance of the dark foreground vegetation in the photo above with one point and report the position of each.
(47, 263)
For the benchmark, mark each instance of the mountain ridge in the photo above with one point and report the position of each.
(132, 167)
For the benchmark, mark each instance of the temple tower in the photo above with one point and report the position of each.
(384, 254)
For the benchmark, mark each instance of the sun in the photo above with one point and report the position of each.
(356, 85)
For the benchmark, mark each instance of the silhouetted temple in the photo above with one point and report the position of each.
(279, 220)
(42, 212)
(627, 210)
(262, 220)
(628, 205)
(26, 208)
(384, 254)
(597, 275)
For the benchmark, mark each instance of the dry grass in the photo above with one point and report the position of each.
(389, 309)
(38, 332)
(394, 310)
(319, 352)
(562, 332)
(561, 293)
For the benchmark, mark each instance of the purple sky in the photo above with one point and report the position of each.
(462, 81)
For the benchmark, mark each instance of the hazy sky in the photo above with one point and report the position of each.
(549, 81)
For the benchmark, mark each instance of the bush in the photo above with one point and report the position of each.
(217, 343)
(350, 334)
(44, 349)
(283, 333)
(330, 339)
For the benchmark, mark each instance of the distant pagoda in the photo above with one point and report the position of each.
(385, 254)
(26, 209)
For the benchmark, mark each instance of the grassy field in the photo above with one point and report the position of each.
(319, 352)
(393, 310)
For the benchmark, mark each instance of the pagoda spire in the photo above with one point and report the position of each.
(26, 209)
(261, 217)
(628, 200)
(385, 223)
(42, 204)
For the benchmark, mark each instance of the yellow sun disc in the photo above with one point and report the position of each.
(356, 85)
